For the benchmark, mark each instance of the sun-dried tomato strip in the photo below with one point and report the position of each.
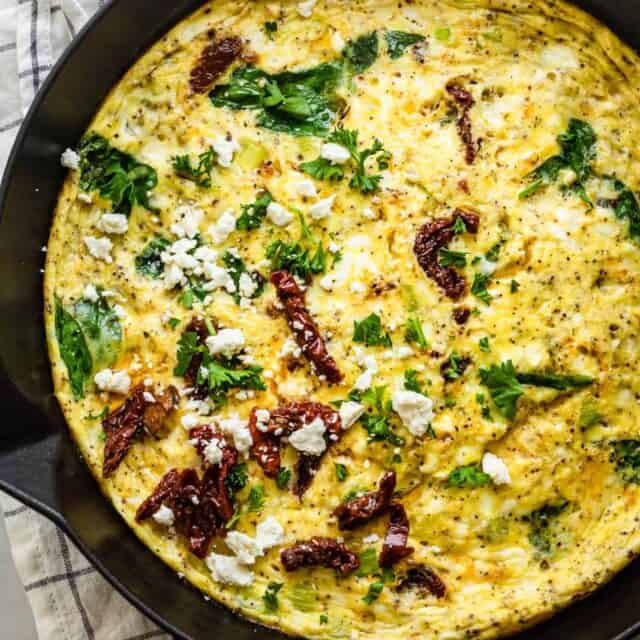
(304, 327)
(394, 547)
(201, 508)
(141, 411)
(214, 60)
(465, 101)
(431, 237)
(423, 579)
(320, 552)
(360, 510)
(283, 421)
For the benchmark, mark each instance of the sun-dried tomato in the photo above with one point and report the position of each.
(431, 237)
(360, 510)
(394, 547)
(454, 367)
(320, 552)
(465, 101)
(461, 315)
(214, 60)
(423, 579)
(283, 421)
(201, 508)
(141, 411)
(304, 327)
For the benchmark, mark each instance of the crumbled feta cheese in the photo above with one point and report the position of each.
(164, 516)
(310, 438)
(223, 228)
(239, 431)
(269, 533)
(370, 366)
(290, 348)
(279, 215)
(495, 467)
(486, 266)
(262, 419)
(404, 352)
(306, 188)
(218, 278)
(113, 381)
(190, 420)
(245, 547)
(322, 208)
(333, 247)
(148, 397)
(358, 287)
(70, 159)
(91, 293)
(213, 451)
(99, 248)
(188, 221)
(415, 410)
(115, 223)
(229, 570)
(226, 342)
(85, 197)
(371, 539)
(247, 285)
(173, 276)
(368, 213)
(305, 9)
(328, 282)
(335, 153)
(350, 412)
(337, 42)
(225, 148)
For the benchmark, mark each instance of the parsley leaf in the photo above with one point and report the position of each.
(459, 226)
(149, 262)
(115, 175)
(187, 347)
(479, 287)
(369, 332)
(515, 285)
(222, 378)
(469, 476)
(411, 382)
(379, 429)
(341, 472)
(253, 214)
(454, 367)
(413, 333)
(484, 344)
(503, 386)
(399, 41)
(368, 563)
(270, 597)
(322, 169)
(199, 173)
(235, 268)
(283, 477)
(452, 258)
(296, 259)
(361, 53)
(256, 499)
(237, 478)
(375, 589)
(270, 28)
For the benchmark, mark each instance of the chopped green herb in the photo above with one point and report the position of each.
(413, 333)
(323, 169)
(115, 175)
(484, 344)
(98, 416)
(149, 262)
(452, 258)
(324, 618)
(368, 563)
(469, 476)
(283, 478)
(503, 386)
(235, 268)
(541, 520)
(256, 499)
(443, 34)
(454, 366)
(589, 415)
(369, 332)
(173, 322)
(199, 173)
(341, 472)
(459, 226)
(514, 286)
(625, 455)
(253, 214)
(375, 589)
(361, 53)
(399, 41)
(554, 380)
(411, 382)
(187, 347)
(379, 429)
(270, 28)
(296, 259)
(237, 478)
(479, 287)
(270, 597)
(102, 436)
(494, 253)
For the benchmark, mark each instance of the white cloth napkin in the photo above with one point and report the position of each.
(69, 598)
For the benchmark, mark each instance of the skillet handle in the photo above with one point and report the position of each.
(30, 460)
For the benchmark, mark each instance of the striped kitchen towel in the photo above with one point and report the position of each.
(70, 600)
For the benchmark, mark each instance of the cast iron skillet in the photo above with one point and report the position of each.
(38, 463)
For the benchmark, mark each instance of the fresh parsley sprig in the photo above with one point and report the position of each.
(369, 332)
(199, 173)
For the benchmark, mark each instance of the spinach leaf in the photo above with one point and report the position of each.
(413, 333)
(270, 597)
(469, 477)
(73, 349)
(542, 535)
(149, 262)
(626, 456)
(116, 175)
(399, 41)
(361, 53)
(369, 332)
(200, 173)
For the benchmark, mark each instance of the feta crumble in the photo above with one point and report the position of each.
(322, 208)
(226, 341)
(310, 438)
(99, 248)
(91, 293)
(113, 381)
(279, 215)
(245, 547)
(335, 153)
(306, 188)
(414, 409)
(262, 419)
(213, 451)
(225, 148)
(495, 467)
(223, 228)
(164, 516)
(269, 533)
(350, 413)
(305, 9)
(188, 221)
(239, 431)
(229, 570)
(70, 159)
(115, 223)
(290, 348)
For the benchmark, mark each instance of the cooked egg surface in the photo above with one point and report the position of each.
(551, 289)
